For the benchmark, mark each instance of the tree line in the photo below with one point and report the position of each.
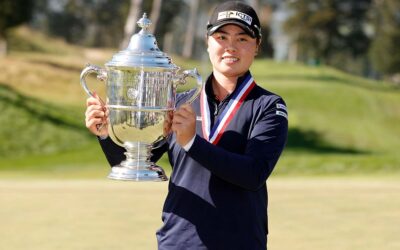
(359, 36)
(353, 35)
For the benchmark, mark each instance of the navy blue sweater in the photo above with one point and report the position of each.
(217, 195)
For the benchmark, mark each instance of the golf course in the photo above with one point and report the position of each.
(336, 186)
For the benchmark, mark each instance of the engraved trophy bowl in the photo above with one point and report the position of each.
(141, 83)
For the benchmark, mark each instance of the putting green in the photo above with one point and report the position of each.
(305, 213)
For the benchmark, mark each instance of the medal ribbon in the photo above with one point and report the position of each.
(240, 94)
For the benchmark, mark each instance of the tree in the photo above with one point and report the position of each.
(385, 50)
(325, 30)
(70, 21)
(155, 14)
(265, 14)
(190, 32)
(130, 24)
(168, 31)
(102, 22)
(106, 23)
(12, 13)
(89, 23)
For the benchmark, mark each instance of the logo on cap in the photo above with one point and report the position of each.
(236, 15)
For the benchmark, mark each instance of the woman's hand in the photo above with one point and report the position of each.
(96, 116)
(184, 124)
(168, 123)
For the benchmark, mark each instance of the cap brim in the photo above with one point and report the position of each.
(245, 28)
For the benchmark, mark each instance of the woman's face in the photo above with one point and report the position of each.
(231, 50)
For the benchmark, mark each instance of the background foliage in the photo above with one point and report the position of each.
(327, 31)
(357, 36)
(14, 12)
(339, 123)
(385, 52)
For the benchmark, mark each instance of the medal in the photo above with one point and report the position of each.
(214, 134)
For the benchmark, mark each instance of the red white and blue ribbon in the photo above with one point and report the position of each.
(214, 134)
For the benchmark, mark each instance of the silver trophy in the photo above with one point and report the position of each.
(141, 83)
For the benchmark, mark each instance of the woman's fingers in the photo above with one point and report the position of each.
(168, 123)
(93, 101)
(96, 116)
(184, 114)
(94, 112)
(184, 124)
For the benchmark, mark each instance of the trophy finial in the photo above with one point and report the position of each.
(144, 22)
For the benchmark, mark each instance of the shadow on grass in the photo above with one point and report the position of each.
(40, 110)
(300, 140)
(57, 65)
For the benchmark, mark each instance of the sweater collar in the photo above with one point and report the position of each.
(210, 91)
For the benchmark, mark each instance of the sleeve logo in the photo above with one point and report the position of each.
(281, 110)
(282, 114)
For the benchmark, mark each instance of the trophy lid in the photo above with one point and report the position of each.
(142, 51)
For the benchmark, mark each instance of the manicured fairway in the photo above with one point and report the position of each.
(305, 214)
(334, 214)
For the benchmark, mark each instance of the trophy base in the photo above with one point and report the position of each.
(152, 173)
(137, 166)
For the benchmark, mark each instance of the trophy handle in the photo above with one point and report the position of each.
(89, 69)
(194, 74)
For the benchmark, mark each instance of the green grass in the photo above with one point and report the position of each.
(338, 124)
(34, 126)
(22, 38)
(342, 148)
(304, 214)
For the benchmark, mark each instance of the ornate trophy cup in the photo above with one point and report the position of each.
(141, 84)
